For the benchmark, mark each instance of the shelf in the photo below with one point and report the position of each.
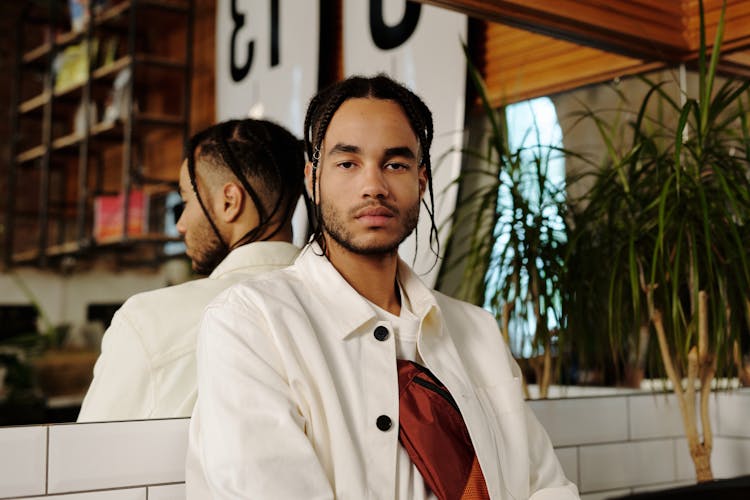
(61, 40)
(98, 155)
(153, 238)
(73, 247)
(34, 103)
(31, 154)
(29, 256)
(103, 73)
(108, 130)
(36, 53)
(101, 130)
(111, 68)
(105, 17)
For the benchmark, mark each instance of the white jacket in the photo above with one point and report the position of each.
(292, 381)
(147, 365)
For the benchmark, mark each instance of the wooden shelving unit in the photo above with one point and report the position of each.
(63, 152)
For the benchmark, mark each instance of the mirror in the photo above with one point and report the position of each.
(51, 326)
(77, 307)
(44, 379)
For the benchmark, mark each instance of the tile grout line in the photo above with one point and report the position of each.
(627, 416)
(46, 464)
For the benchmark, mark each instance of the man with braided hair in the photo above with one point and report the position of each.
(239, 184)
(344, 376)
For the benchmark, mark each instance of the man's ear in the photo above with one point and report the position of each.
(422, 175)
(233, 201)
(309, 181)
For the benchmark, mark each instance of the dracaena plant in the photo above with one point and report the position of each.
(509, 236)
(666, 231)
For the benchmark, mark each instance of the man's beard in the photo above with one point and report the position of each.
(209, 254)
(334, 226)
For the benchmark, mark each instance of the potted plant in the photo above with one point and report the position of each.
(507, 243)
(668, 222)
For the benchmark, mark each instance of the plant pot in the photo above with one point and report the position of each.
(65, 372)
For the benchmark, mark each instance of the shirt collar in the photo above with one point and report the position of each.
(256, 254)
(351, 309)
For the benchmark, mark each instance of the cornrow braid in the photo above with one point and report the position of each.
(256, 152)
(193, 145)
(324, 105)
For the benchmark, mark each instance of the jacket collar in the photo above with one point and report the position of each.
(256, 254)
(350, 308)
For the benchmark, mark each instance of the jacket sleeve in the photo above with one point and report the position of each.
(122, 388)
(547, 480)
(248, 430)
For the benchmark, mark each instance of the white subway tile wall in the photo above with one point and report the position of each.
(684, 468)
(579, 421)
(117, 454)
(662, 486)
(167, 492)
(23, 461)
(610, 446)
(604, 495)
(731, 419)
(731, 456)
(618, 465)
(654, 416)
(127, 494)
(568, 458)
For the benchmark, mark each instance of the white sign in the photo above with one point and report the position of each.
(419, 46)
(266, 59)
(267, 66)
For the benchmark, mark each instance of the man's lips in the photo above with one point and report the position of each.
(379, 211)
(374, 215)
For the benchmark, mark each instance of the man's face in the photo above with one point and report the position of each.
(370, 178)
(203, 247)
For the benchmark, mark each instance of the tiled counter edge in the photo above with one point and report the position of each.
(612, 446)
(609, 446)
(121, 458)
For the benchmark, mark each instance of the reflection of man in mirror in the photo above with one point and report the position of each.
(343, 375)
(239, 185)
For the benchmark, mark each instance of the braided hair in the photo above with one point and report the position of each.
(324, 105)
(265, 158)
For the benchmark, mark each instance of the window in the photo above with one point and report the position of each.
(530, 230)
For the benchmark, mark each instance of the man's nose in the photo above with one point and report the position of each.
(375, 184)
(180, 225)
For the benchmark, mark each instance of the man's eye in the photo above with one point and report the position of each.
(397, 166)
(177, 210)
(346, 164)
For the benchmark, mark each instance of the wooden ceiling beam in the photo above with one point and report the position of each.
(623, 27)
(653, 30)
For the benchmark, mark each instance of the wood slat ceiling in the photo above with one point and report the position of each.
(537, 47)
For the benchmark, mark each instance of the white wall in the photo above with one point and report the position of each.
(64, 297)
(609, 446)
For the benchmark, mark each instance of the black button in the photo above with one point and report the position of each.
(381, 333)
(384, 422)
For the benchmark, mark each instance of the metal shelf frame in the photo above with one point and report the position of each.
(123, 14)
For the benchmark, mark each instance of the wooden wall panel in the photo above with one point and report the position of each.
(655, 30)
(636, 29)
(163, 150)
(736, 31)
(204, 69)
(520, 65)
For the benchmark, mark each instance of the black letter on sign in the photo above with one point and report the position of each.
(390, 37)
(274, 33)
(239, 72)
